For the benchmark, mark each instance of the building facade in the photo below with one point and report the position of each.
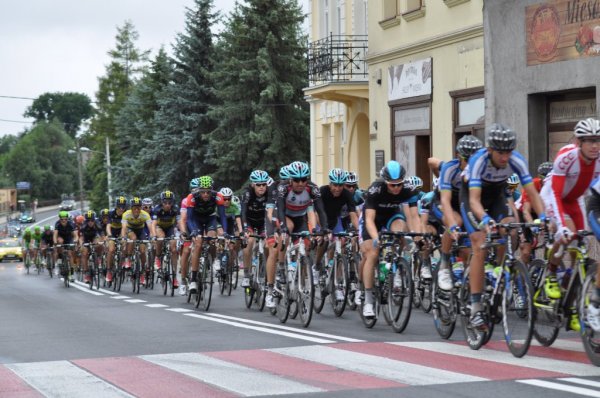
(338, 87)
(426, 79)
(542, 70)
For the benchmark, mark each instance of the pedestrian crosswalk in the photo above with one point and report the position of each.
(316, 368)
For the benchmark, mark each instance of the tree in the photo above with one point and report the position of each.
(135, 129)
(127, 62)
(182, 119)
(261, 114)
(41, 158)
(70, 109)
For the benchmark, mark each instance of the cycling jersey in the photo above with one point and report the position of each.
(65, 231)
(165, 219)
(47, 238)
(333, 205)
(481, 173)
(388, 205)
(563, 190)
(134, 222)
(253, 208)
(89, 233)
(201, 214)
(115, 221)
(295, 204)
(272, 193)
(450, 180)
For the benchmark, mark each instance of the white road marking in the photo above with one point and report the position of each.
(585, 382)
(178, 309)
(561, 387)
(86, 289)
(156, 305)
(120, 297)
(136, 301)
(262, 329)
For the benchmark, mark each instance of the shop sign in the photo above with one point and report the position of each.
(409, 80)
(572, 111)
(559, 30)
(411, 119)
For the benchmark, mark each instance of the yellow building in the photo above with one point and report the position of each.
(426, 78)
(338, 88)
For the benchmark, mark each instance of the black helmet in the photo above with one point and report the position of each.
(104, 212)
(121, 202)
(393, 171)
(468, 145)
(90, 215)
(501, 138)
(544, 169)
(135, 201)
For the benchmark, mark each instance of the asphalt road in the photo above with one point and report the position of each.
(61, 341)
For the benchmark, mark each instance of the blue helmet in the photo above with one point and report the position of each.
(194, 183)
(298, 170)
(284, 173)
(393, 171)
(259, 176)
(338, 176)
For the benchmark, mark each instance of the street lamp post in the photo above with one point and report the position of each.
(80, 176)
(108, 168)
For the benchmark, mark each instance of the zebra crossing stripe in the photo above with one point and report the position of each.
(562, 387)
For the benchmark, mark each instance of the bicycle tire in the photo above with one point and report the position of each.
(235, 275)
(589, 338)
(547, 325)
(229, 276)
(261, 294)
(352, 269)
(282, 304)
(417, 282)
(306, 296)
(208, 284)
(67, 272)
(137, 264)
(26, 262)
(369, 322)
(321, 290)
(221, 277)
(38, 263)
(50, 265)
(337, 306)
(445, 310)
(518, 314)
(165, 275)
(475, 338)
(401, 298)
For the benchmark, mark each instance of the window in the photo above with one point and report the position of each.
(390, 9)
(339, 29)
(468, 113)
(325, 20)
(412, 5)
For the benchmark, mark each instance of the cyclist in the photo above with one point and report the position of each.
(234, 221)
(104, 221)
(335, 197)
(293, 202)
(147, 205)
(573, 170)
(47, 241)
(164, 219)
(27, 245)
(90, 233)
(253, 213)
(113, 230)
(37, 242)
(390, 204)
(202, 210)
(593, 207)
(133, 228)
(65, 232)
(483, 202)
(186, 245)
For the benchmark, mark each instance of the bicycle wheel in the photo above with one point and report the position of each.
(38, 263)
(205, 282)
(306, 291)
(320, 287)
(518, 314)
(445, 310)
(50, 265)
(135, 279)
(165, 274)
(229, 275)
(260, 295)
(221, 277)
(369, 322)
(547, 322)
(26, 262)
(339, 281)
(475, 337)
(235, 274)
(589, 338)
(417, 282)
(353, 262)
(400, 297)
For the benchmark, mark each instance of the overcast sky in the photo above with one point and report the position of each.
(61, 45)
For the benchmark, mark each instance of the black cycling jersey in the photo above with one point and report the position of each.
(333, 205)
(386, 204)
(272, 193)
(65, 231)
(89, 233)
(253, 208)
(48, 238)
(165, 219)
(115, 219)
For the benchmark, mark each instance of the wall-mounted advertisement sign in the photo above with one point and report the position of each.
(560, 30)
(409, 80)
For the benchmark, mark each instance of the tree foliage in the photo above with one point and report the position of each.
(70, 109)
(41, 157)
(262, 116)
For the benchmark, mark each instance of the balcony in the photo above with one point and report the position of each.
(338, 59)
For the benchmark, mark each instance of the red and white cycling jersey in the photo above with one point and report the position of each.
(564, 187)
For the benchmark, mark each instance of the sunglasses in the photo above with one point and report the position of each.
(591, 140)
(64, 218)
(300, 179)
(350, 186)
(338, 185)
(395, 185)
(204, 191)
(262, 184)
(227, 199)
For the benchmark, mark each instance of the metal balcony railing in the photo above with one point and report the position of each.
(338, 58)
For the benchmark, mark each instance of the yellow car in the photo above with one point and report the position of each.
(10, 249)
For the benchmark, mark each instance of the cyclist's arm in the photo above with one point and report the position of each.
(222, 216)
(151, 228)
(123, 228)
(475, 203)
(446, 201)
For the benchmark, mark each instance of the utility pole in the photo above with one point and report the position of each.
(79, 161)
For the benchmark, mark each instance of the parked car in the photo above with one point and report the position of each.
(13, 228)
(10, 249)
(67, 204)
(27, 217)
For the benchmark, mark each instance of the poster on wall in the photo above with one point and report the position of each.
(560, 30)
(409, 80)
(405, 153)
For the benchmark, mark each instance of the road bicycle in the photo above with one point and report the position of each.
(256, 293)
(66, 270)
(204, 279)
(227, 274)
(165, 275)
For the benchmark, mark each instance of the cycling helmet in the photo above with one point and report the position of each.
(167, 196)
(501, 138)
(63, 214)
(104, 212)
(414, 182)
(28, 230)
(79, 219)
(147, 202)
(589, 127)
(259, 176)
(235, 200)
(194, 183)
(284, 173)
(47, 227)
(338, 176)
(393, 171)
(206, 182)
(352, 178)
(135, 201)
(121, 202)
(270, 182)
(468, 145)
(226, 192)
(513, 180)
(90, 215)
(544, 169)
(298, 170)
(37, 229)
